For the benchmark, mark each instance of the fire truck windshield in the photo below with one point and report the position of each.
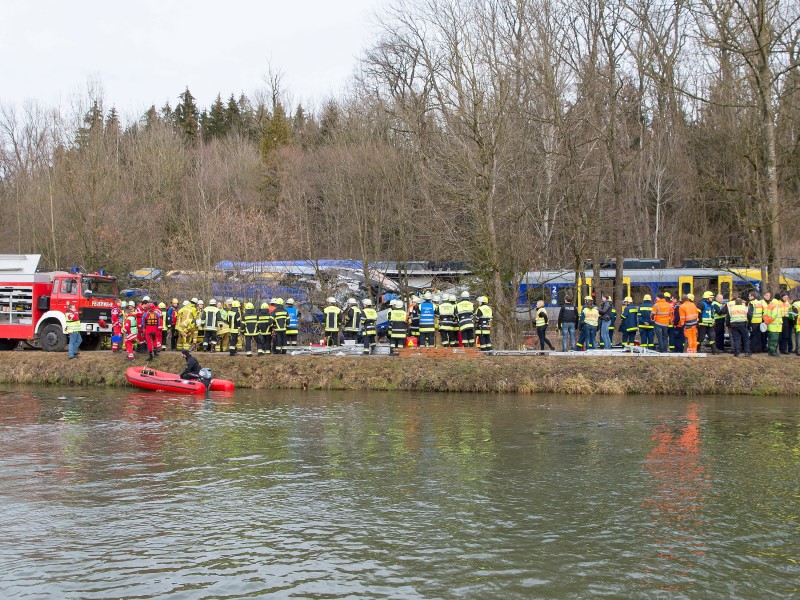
(99, 287)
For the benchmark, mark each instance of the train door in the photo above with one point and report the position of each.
(685, 283)
(725, 286)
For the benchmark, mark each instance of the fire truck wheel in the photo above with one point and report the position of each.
(8, 344)
(53, 338)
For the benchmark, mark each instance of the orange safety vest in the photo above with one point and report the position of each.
(662, 312)
(689, 314)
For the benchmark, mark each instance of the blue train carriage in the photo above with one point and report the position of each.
(553, 286)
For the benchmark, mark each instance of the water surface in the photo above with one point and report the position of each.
(119, 494)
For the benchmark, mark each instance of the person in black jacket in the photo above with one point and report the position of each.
(567, 322)
(192, 370)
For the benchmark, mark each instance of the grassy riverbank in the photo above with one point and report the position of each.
(760, 375)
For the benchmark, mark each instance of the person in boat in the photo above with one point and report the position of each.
(192, 370)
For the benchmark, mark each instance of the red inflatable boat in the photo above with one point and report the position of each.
(150, 379)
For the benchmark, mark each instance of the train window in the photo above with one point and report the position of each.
(565, 291)
(538, 293)
(725, 289)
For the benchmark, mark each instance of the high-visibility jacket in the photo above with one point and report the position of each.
(352, 319)
(281, 319)
(294, 320)
(333, 315)
(785, 309)
(689, 316)
(397, 323)
(210, 318)
(706, 312)
(630, 318)
(447, 317)
(369, 322)
(465, 310)
(774, 310)
(250, 320)
(427, 317)
(737, 312)
(484, 320)
(591, 316)
(151, 319)
(541, 317)
(131, 324)
(796, 311)
(234, 320)
(717, 307)
(265, 323)
(186, 317)
(73, 324)
(662, 312)
(645, 316)
(758, 311)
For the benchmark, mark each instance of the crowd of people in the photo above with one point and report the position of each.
(754, 323)
(274, 326)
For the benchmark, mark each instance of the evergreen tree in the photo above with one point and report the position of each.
(187, 116)
(233, 118)
(112, 122)
(151, 117)
(92, 123)
(277, 132)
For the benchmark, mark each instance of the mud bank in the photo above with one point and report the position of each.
(760, 375)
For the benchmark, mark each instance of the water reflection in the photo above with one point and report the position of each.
(281, 494)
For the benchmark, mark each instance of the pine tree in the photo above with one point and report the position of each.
(187, 116)
(277, 132)
(92, 123)
(151, 117)
(233, 118)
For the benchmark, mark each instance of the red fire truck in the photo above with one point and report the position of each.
(32, 304)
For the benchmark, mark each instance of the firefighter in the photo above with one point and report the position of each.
(234, 322)
(688, 319)
(706, 326)
(131, 329)
(333, 316)
(427, 321)
(466, 325)
(483, 321)
(720, 312)
(139, 312)
(152, 326)
(281, 319)
(773, 317)
(738, 313)
(645, 320)
(293, 327)
(756, 335)
(210, 324)
(447, 321)
(264, 329)
(223, 330)
(351, 319)
(251, 331)
(413, 317)
(397, 324)
(662, 317)
(630, 321)
(163, 331)
(369, 325)
(185, 325)
(116, 325)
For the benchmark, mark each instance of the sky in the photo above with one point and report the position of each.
(144, 52)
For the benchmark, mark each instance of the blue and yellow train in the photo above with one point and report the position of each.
(554, 286)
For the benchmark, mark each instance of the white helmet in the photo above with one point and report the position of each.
(212, 302)
(185, 303)
(195, 300)
(273, 300)
(200, 303)
(351, 301)
(437, 298)
(428, 296)
(397, 303)
(290, 301)
(465, 294)
(131, 304)
(146, 299)
(331, 300)
(366, 302)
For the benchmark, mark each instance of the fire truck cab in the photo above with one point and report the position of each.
(33, 304)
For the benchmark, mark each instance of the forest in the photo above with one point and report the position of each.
(508, 134)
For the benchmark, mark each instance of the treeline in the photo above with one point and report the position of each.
(510, 134)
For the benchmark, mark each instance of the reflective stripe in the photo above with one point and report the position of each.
(737, 312)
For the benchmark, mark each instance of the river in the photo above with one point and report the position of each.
(282, 494)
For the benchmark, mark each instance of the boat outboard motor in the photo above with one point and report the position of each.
(205, 377)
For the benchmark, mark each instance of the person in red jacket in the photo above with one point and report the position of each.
(152, 329)
(116, 325)
(131, 329)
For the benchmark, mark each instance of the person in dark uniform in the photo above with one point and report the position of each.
(192, 370)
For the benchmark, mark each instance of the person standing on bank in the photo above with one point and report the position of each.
(720, 313)
(542, 320)
(73, 330)
(605, 321)
(738, 315)
(662, 317)
(567, 320)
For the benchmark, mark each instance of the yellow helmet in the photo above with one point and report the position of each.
(708, 294)
(279, 301)
(264, 305)
(628, 299)
(690, 297)
(647, 298)
(249, 306)
(235, 304)
(162, 305)
(175, 301)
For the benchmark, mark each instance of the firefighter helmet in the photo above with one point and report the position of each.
(290, 302)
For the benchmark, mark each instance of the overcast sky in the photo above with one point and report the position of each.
(146, 52)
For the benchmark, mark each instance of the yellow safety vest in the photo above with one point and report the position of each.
(73, 324)
(591, 316)
(758, 311)
(541, 317)
(738, 312)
